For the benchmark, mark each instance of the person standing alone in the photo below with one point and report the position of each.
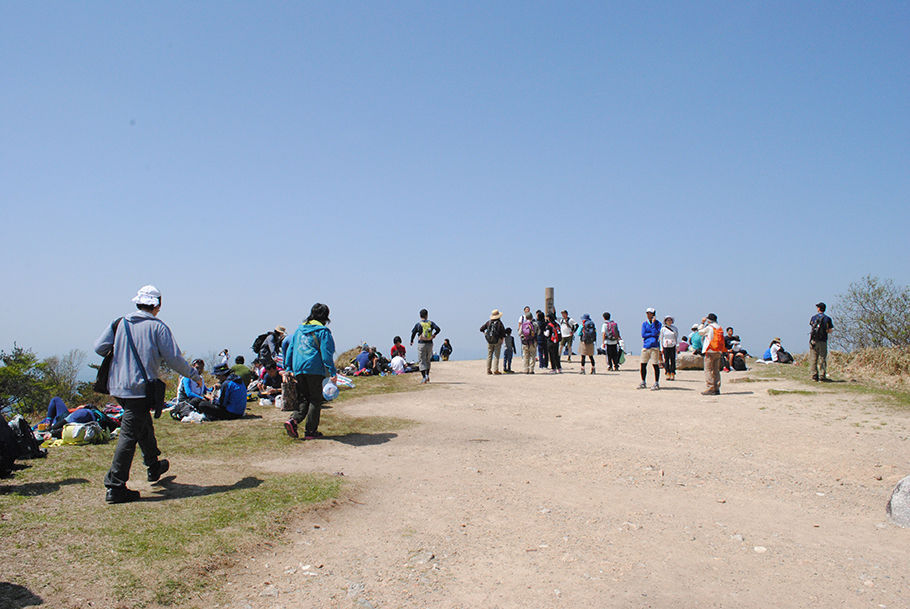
(610, 333)
(425, 331)
(821, 326)
(140, 343)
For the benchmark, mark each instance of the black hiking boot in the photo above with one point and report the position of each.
(121, 495)
(154, 472)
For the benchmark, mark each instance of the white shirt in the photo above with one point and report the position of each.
(774, 349)
(669, 335)
(397, 364)
(565, 326)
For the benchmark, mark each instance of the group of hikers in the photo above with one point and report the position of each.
(545, 336)
(295, 366)
(370, 361)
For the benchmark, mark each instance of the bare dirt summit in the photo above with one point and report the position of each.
(582, 491)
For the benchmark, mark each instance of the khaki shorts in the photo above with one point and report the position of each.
(652, 354)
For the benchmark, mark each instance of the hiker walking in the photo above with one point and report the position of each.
(669, 338)
(587, 333)
(714, 348)
(610, 333)
(426, 331)
(140, 343)
(527, 334)
(650, 349)
(554, 336)
(820, 327)
(567, 328)
(310, 359)
(494, 332)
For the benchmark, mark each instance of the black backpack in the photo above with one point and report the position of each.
(9, 448)
(27, 444)
(739, 363)
(492, 332)
(819, 331)
(257, 344)
(588, 332)
(783, 357)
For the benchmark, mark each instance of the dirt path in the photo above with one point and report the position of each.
(580, 491)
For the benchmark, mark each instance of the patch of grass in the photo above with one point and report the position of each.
(749, 379)
(169, 547)
(799, 372)
(790, 392)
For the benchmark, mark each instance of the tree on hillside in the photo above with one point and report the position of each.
(872, 313)
(23, 379)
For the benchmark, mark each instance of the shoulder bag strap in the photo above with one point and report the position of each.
(129, 338)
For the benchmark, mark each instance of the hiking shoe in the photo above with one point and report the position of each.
(121, 494)
(643, 385)
(709, 392)
(154, 473)
(825, 379)
(497, 372)
(489, 372)
(814, 377)
(655, 387)
(593, 371)
(313, 435)
(582, 371)
(290, 426)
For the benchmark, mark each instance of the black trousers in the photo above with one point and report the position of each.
(135, 428)
(613, 356)
(553, 352)
(670, 360)
(213, 412)
(309, 401)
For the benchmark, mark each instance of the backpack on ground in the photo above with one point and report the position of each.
(783, 357)
(27, 445)
(257, 344)
(492, 333)
(739, 363)
(588, 332)
(526, 331)
(9, 448)
(819, 331)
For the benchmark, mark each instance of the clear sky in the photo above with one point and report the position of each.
(252, 158)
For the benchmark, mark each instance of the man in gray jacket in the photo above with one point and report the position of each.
(154, 343)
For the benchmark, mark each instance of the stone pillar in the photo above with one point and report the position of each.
(549, 305)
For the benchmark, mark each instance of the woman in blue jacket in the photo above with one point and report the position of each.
(310, 358)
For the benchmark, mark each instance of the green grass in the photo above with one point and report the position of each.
(171, 546)
(799, 372)
(790, 392)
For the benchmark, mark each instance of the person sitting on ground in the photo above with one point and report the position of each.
(683, 345)
(242, 370)
(225, 357)
(363, 361)
(696, 340)
(398, 364)
(231, 400)
(397, 348)
(445, 351)
(189, 390)
(772, 352)
(728, 344)
(270, 386)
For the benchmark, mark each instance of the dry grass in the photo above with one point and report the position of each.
(890, 366)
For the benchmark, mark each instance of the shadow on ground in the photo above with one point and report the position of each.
(39, 488)
(177, 490)
(363, 439)
(14, 596)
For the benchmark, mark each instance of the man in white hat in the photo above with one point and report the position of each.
(140, 342)
(494, 332)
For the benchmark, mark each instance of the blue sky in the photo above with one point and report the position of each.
(250, 159)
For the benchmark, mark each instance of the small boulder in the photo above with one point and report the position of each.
(689, 361)
(899, 504)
